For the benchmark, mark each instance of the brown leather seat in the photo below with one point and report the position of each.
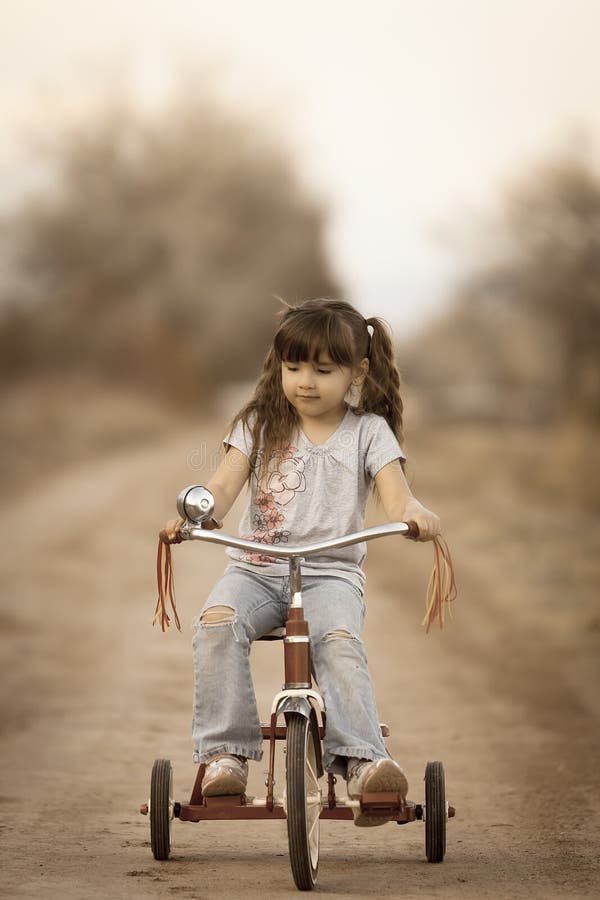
(277, 634)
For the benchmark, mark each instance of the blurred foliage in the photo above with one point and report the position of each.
(555, 223)
(520, 344)
(522, 340)
(155, 261)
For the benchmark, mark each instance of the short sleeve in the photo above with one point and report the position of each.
(240, 437)
(382, 446)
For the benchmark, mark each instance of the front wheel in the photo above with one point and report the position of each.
(161, 808)
(303, 800)
(435, 812)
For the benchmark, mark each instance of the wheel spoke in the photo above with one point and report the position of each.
(313, 774)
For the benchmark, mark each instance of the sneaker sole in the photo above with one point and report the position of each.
(385, 777)
(224, 784)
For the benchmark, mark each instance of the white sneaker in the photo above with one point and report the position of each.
(225, 774)
(368, 777)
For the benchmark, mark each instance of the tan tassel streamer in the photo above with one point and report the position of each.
(441, 589)
(166, 586)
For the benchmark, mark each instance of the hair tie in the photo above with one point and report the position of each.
(370, 329)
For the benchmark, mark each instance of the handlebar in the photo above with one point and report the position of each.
(190, 532)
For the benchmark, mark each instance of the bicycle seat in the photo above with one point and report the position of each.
(277, 634)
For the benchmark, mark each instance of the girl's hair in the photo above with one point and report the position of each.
(322, 327)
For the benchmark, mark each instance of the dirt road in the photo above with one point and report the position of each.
(506, 696)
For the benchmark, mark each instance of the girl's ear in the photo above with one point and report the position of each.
(360, 371)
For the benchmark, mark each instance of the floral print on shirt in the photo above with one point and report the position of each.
(277, 488)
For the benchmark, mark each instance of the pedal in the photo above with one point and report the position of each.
(225, 801)
(371, 802)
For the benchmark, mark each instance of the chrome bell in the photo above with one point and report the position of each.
(195, 503)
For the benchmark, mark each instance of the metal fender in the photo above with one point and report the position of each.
(296, 705)
(301, 706)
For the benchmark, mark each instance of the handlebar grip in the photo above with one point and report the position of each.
(163, 536)
(413, 531)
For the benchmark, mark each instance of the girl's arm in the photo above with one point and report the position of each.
(225, 485)
(400, 505)
(228, 481)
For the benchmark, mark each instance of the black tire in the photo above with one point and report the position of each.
(161, 807)
(435, 812)
(303, 800)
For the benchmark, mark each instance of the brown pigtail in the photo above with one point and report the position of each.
(381, 388)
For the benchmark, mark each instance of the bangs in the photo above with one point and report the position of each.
(310, 338)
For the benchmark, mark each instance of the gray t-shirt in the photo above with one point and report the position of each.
(313, 493)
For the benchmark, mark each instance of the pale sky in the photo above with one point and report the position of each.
(409, 116)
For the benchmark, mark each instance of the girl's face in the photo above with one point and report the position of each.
(317, 389)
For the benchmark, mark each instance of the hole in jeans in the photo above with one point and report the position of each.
(218, 615)
(339, 634)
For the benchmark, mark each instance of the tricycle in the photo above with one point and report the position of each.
(298, 720)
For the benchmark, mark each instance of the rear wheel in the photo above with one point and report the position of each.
(161, 808)
(303, 800)
(435, 812)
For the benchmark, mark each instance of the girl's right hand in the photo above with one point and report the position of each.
(172, 527)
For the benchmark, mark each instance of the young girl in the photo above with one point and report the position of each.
(324, 426)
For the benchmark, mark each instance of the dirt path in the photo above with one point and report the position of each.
(91, 694)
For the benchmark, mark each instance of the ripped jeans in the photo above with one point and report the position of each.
(244, 605)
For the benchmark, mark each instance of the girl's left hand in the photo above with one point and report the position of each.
(428, 522)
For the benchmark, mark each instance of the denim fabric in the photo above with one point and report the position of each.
(225, 718)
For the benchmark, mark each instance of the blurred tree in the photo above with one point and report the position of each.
(521, 341)
(554, 223)
(156, 258)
